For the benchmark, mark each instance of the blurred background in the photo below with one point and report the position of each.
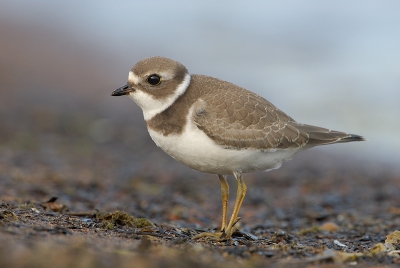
(334, 64)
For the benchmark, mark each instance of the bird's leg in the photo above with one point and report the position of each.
(228, 229)
(241, 193)
(225, 197)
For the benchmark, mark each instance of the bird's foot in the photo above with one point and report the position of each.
(208, 235)
(223, 235)
(217, 236)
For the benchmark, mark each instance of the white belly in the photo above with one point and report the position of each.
(196, 150)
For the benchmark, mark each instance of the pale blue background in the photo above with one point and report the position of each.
(330, 63)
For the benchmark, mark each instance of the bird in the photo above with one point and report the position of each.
(217, 127)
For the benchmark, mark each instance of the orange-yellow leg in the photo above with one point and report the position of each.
(241, 193)
(225, 197)
(228, 229)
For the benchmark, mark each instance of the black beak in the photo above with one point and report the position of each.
(124, 90)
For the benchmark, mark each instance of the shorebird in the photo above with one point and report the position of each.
(217, 127)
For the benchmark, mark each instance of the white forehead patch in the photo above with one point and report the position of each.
(133, 78)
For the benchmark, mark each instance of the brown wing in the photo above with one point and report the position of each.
(237, 118)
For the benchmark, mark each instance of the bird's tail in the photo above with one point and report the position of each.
(321, 136)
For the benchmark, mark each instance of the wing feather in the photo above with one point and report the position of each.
(237, 118)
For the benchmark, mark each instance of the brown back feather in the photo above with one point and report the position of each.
(237, 118)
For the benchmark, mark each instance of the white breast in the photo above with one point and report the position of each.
(196, 150)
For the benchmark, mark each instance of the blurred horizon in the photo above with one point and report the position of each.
(331, 64)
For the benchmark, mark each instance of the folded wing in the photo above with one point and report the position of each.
(240, 119)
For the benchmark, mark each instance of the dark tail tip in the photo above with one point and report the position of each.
(353, 137)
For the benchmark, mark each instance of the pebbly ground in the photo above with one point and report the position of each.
(318, 210)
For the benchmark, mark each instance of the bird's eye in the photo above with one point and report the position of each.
(154, 79)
